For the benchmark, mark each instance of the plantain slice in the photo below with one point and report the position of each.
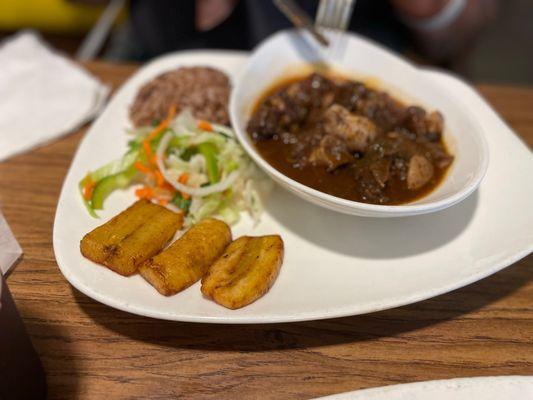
(245, 271)
(186, 260)
(131, 237)
(98, 244)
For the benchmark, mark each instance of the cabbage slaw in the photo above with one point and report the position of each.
(188, 165)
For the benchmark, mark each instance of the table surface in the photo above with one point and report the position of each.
(91, 351)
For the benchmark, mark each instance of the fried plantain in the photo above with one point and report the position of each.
(186, 260)
(245, 271)
(97, 244)
(131, 237)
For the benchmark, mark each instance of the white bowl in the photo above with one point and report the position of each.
(289, 52)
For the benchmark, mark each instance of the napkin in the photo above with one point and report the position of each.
(10, 250)
(43, 95)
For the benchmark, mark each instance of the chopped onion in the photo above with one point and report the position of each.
(223, 129)
(201, 191)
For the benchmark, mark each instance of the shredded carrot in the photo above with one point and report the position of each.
(158, 129)
(205, 125)
(88, 188)
(139, 166)
(171, 112)
(148, 149)
(167, 186)
(163, 202)
(163, 124)
(160, 180)
(144, 193)
(183, 178)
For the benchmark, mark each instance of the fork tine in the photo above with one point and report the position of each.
(332, 18)
(320, 14)
(334, 14)
(348, 9)
(337, 15)
(324, 13)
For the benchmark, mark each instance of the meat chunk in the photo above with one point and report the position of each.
(440, 157)
(426, 126)
(289, 108)
(381, 108)
(349, 93)
(381, 171)
(419, 173)
(316, 91)
(415, 120)
(369, 185)
(330, 153)
(435, 123)
(355, 130)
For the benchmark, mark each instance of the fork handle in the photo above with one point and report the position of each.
(300, 19)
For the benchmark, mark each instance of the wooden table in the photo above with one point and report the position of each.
(91, 351)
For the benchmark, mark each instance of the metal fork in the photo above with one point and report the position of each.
(332, 18)
(334, 14)
(300, 19)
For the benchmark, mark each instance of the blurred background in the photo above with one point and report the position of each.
(490, 42)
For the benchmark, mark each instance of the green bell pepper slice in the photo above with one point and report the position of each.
(87, 204)
(105, 186)
(210, 153)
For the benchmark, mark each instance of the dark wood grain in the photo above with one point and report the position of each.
(91, 351)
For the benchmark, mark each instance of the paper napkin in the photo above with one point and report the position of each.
(10, 250)
(43, 95)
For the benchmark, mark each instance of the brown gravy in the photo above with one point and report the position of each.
(346, 139)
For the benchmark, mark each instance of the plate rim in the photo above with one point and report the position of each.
(394, 389)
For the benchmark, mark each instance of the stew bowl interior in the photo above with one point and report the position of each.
(292, 53)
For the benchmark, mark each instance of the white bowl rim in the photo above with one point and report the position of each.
(385, 210)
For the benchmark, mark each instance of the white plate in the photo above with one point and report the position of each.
(335, 265)
(483, 388)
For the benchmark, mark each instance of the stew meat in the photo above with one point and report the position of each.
(345, 139)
